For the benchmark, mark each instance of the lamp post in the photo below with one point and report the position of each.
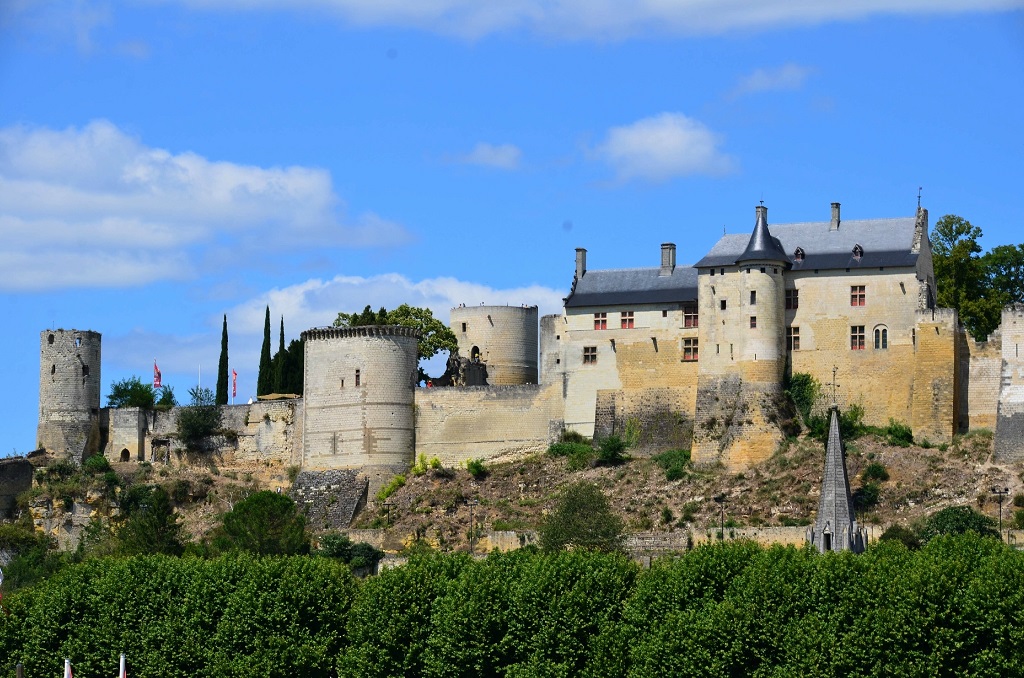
(1000, 497)
(387, 508)
(720, 500)
(472, 527)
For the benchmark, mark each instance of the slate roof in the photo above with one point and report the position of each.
(634, 286)
(762, 245)
(886, 242)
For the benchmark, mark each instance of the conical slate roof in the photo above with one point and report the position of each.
(762, 245)
(835, 528)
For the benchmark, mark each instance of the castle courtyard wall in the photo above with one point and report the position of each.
(1009, 431)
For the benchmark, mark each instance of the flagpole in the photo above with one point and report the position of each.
(121, 672)
(67, 668)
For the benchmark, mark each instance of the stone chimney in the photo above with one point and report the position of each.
(668, 258)
(581, 262)
(835, 217)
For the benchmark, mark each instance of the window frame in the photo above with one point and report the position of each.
(858, 295)
(691, 353)
(590, 355)
(691, 316)
(792, 299)
(857, 338)
(793, 338)
(601, 320)
(626, 320)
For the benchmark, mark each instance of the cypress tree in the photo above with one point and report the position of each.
(222, 367)
(265, 380)
(280, 363)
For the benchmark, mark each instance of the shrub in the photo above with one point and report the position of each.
(631, 436)
(569, 436)
(389, 489)
(580, 454)
(904, 535)
(610, 451)
(804, 390)
(476, 468)
(420, 467)
(899, 434)
(96, 464)
(1018, 519)
(956, 520)
(266, 523)
(875, 471)
(581, 518)
(866, 496)
(200, 420)
(674, 463)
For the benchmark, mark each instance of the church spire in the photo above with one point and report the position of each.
(835, 528)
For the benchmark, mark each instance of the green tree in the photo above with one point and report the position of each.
(1004, 268)
(266, 523)
(131, 392)
(200, 419)
(960, 277)
(147, 523)
(956, 520)
(166, 400)
(279, 364)
(265, 378)
(582, 518)
(222, 366)
(435, 336)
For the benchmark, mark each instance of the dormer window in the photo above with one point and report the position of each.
(798, 256)
(858, 252)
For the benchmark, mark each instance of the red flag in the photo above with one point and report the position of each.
(234, 383)
(156, 375)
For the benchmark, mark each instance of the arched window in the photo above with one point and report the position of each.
(881, 338)
(858, 252)
(125, 454)
(798, 256)
(474, 354)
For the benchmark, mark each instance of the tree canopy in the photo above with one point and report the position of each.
(435, 336)
(266, 523)
(131, 392)
(977, 285)
(582, 518)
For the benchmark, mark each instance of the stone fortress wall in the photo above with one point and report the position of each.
(671, 370)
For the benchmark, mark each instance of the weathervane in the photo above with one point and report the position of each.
(834, 384)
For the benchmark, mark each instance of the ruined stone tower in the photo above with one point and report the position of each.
(739, 389)
(504, 338)
(69, 393)
(358, 393)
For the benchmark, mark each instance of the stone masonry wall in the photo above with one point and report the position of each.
(458, 424)
(980, 366)
(935, 400)
(506, 337)
(660, 416)
(330, 499)
(69, 393)
(1009, 432)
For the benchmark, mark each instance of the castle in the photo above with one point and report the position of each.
(674, 355)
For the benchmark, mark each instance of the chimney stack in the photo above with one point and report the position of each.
(835, 217)
(581, 262)
(761, 213)
(668, 258)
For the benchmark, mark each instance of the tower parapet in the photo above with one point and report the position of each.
(69, 393)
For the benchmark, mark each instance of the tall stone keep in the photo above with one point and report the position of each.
(835, 528)
(358, 392)
(504, 338)
(1009, 433)
(69, 393)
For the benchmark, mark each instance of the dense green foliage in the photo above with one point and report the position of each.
(357, 555)
(131, 392)
(265, 376)
(222, 366)
(287, 366)
(956, 520)
(898, 434)
(147, 523)
(199, 420)
(265, 523)
(582, 518)
(611, 450)
(435, 336)
(953, 608)
(674, 463)
(976, 285)
(805, 391)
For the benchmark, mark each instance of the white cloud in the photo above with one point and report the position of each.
(97, 207)
(606, 19)
(502, 156)
(789, 76)
(663, 146)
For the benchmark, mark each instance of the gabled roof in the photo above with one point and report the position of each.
(634, 286)
(886, 242)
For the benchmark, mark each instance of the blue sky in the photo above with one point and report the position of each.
(163, 163)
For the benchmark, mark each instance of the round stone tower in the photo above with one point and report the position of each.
(358, 395)
(504, 338)
(69, 393)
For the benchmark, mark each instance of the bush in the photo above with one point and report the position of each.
(866, 496)
(899, 434)
(266, 523)
(389, 489)
(674, 463)
(904, 535)
(610, 451)
(875, 471)
(569, 436)
(804, 390)
(199, 420)
(476, 468)
(582, 518)
(580, 454)
(956, 520)
(96, 464)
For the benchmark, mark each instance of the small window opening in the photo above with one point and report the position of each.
(49, 339)
(712, 271)
(357, 378)
(664, 314)
(85, 370)
(78, 342)
(126, 455)
(463, 327)
(722, 304)
(753, 297)
(762, 269)
(53, 369)
(721, 271)
(881, 338)
(798, 256)
(858, 252)
(753, 322)
(589, 355)
(558, 361)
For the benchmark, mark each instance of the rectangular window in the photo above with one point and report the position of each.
(689, 315)
(792, 338)
(857, 338)
(792, 299)
(753, 321)
(722, 304)
(589, 355)
(857, 295)
(626, 320)
(357, 377)
(753, 297)
(689, 350)
(664, 314)
(463, 327)
(600, 321)
(712, 271)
